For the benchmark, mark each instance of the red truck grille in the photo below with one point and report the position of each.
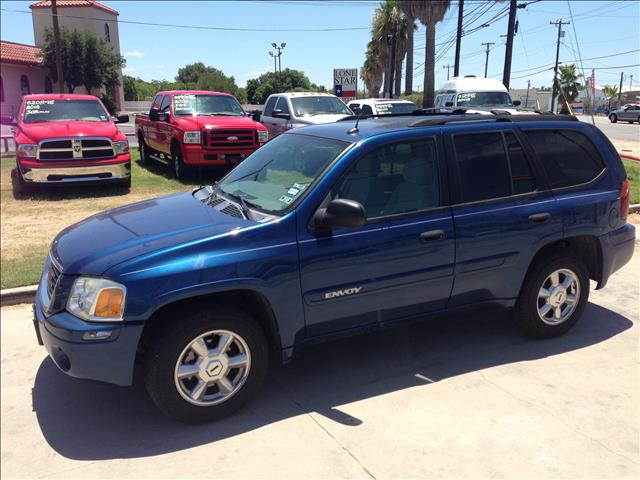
(76, 149)
(229, 138)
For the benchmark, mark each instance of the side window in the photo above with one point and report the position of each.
(157, 101)
(367, 110)
(268, 108)
(282, 105)
(522, 177)
(482, 166)
(568, 157)
(394, 179)
(164, 106)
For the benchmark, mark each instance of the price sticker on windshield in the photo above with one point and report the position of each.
(34, 107)
(183, 102)
(466, 96)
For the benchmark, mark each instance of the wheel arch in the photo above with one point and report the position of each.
(248, 300)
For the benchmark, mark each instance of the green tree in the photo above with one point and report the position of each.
(610, 92)
(430, 13)
(214, 79)
(86, 60)
(191, 73)
(258, 89)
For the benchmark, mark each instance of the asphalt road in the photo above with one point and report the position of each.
(620, 131)
(458, 397)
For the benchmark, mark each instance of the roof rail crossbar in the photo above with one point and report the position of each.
(421, 112)
(506, 117)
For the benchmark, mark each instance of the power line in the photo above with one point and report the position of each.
(199, 27)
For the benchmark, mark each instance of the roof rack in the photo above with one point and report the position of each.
(416, 113)
(497, 117)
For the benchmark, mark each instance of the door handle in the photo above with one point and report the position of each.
(539, 217)
(431, 235)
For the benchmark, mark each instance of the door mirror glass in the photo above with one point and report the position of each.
(517, 103)
(121, 119)
(154, 115)
(341, 212)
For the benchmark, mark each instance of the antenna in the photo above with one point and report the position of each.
(354, 130)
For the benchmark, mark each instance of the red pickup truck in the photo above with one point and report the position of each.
(62, 138)
(186, 128)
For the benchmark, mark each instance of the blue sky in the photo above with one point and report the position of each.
(603, 28)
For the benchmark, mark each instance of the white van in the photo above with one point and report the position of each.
(382, 106)
(471, 92)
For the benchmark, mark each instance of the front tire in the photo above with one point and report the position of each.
(206, 365)
(144, 151)
(553, 297)
(613, 118)
(180, 169)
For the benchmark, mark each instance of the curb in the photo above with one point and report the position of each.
(629, 156)
(634, 208)
(15, 296)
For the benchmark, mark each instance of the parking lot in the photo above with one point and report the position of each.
(465, 396)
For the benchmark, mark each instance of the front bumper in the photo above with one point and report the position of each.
(617, 249)
(196, 155)
(110, 360)
(82, 173)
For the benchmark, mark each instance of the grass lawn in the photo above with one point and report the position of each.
(29, 222)
(633, 173)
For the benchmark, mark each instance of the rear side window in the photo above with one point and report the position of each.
(268, 108)
(567, 156)
(482, 166)
(522, 178)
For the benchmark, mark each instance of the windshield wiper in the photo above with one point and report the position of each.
(244, 204)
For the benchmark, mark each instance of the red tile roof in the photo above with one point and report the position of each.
(74, 3)
(19, 53)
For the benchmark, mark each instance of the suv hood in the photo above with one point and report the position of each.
(48, 130)
(102, 241)
(325, 118)
(216, 121)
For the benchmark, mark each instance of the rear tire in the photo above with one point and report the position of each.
(191, 386)
(553, 297)
(613, 118)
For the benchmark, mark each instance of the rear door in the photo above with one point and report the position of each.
(399, 264)
(503, 211)
(266, 119)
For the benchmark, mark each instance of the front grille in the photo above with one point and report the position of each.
(76, 149)
(53, 275)
(229, 138)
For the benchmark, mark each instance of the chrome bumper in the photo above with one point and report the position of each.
(77, 174)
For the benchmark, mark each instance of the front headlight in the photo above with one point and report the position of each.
(191, 137)
(263, 136)
(27, 150)
(121, 147)
(97, 299)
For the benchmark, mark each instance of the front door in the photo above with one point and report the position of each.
(399, 264)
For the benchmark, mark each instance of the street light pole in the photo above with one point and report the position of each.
(278, 55)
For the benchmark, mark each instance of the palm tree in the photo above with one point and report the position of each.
(567, 84)
(372, 70)
(408, 7)
(430, 12)
(610, 92)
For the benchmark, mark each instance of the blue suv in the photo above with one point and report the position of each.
(328, 231)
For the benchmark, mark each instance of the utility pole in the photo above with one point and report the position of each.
(56, 45)
(526, 100)
(631, 82)
(620, 90)
(554, 90)
(456, 68)
(506, 74)
(447, 67)
(277, 56)
(486, 62)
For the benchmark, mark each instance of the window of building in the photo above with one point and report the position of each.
(482, 166)
(107, 34)
(394, 179)
(568, 157)
(48, 86)
(25, 88)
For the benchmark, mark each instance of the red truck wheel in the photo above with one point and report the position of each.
(180, 169)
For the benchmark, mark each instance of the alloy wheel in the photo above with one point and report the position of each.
(558, 296)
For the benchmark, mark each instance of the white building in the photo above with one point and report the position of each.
(21, 72)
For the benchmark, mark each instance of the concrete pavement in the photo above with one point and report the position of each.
(458, 397)
(625, 136)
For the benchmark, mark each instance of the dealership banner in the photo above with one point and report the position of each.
(345, 83)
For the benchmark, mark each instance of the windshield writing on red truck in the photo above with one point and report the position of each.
(190, 105)
(36, 111)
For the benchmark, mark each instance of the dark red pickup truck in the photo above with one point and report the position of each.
(187, 128)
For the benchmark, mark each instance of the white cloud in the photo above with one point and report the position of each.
(130, 69)
(255, 73)
(135, 53)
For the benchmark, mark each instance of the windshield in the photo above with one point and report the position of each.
(193, 105)
(317, 105)
(36, 111)
(277, 173)
(484, 99)
(399, 107)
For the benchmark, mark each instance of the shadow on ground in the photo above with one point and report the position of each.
(87, 421)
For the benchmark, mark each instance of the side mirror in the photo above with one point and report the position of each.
(280, 114)
(448, 104)
(255, 115)
(8, 120)
(517, 103)
(356, 110)
(121, 119)
(341, 212)
(154, 114)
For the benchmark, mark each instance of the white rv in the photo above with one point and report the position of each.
(471, 93)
